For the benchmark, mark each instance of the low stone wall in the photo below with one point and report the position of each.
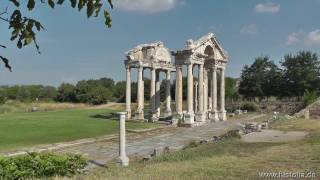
(275, 106)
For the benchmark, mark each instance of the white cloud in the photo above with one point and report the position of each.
(313, 38)
(268, 7)
(249, 29)
(308, 39)
(148, 6)
(294, 38)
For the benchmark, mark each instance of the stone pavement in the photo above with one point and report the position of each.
(143, 144)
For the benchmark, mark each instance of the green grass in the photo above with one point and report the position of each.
(229, 159)
(28, 129)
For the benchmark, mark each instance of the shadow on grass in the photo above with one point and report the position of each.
(232, 147)
(110, 116)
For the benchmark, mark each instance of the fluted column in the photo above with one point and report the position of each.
(128, 92)
(179, 89)
(168, 93)
(195, 107)
(205, 92)
(140, 95)
(189, 116)
(214, 94)
(158, 93)
(201, 87)
(222, 96)
(190, 88)
(153, 94)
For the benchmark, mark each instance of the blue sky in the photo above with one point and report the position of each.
(75, 48)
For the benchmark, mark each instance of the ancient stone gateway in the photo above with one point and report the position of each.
(158, 59)
(204, 102)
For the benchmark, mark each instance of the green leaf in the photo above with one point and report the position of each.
(81, 4)
(108, 21)
(60, 2)
(15, 2)
(73, 3)
(90, 8)
(51, 3)
(31, 5)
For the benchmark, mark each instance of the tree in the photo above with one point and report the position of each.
(231, 89)
(262, 79)
(301, 72)
(99, 95)
(24, 28)
(66, 93)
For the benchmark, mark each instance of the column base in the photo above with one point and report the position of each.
(128, 115)
(123, 161)
(139, 115)
(214, 116)
(153, 117)
(201, 117)
(188, 118)
(168, 113)
(223, 115)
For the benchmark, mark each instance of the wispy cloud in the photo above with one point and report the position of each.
(249, 29)
(294, 38)
(148, 6)
(268, 7)
(308, 39)
(313, 38)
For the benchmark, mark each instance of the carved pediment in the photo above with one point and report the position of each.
(154, 52)
(207, 46)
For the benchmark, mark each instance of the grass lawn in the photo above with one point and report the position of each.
(28, 129)
(230, 159)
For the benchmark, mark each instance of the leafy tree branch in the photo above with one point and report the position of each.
(24, 29)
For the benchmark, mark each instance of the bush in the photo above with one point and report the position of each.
(35, 165)
(250, 106)
(309, 97)
(2, 100)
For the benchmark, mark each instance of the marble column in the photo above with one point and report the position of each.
(201, 88)
(214, 95)
(205, 92)
(153, 95)
(189, 116)
(200, 114)
(123, 159)
(140, 95)
(168, 93)
(223, 115)
(128, 92)
(158, 103)
(178, 98)
(195, 107)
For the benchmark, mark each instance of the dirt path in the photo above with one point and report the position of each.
(274, 136)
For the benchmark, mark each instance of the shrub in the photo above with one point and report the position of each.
(309, 97)
(250, 106)
(35, 165)
(2, 100)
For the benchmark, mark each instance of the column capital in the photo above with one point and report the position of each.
(214, 68)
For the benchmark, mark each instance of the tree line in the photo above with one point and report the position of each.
(94, 92)
(296, 75)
